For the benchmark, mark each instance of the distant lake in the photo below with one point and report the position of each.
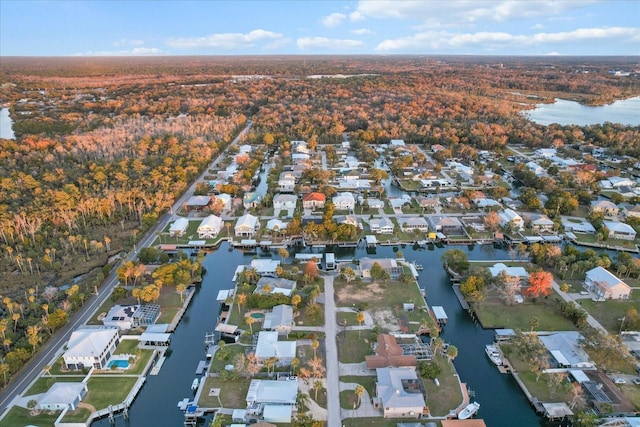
(6, 124)
(563, 112)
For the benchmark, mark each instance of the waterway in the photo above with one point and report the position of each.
(502, 402)
(563, 112)
(6, 124)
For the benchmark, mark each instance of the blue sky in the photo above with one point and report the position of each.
(495, 27)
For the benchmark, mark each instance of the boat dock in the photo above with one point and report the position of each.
(156, 368)
(202, 366)
(463, 302)
(176, 319)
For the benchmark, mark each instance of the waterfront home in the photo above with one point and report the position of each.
(538, 222)
(447, 225)
(414, 223)
(276, 225)
(576, 225)
(210, 227)
(381, 225)
(197, 203)
(287, 182)
(606, 285)
(632, 211)
(399, 393)
(389, 354)
(426, 202)
(314, 201)
(179, 227)
(246, 226)
(620, 230)
(349, 220)
(280, 319)
(500, 268)
(510, 217)
(399, 202)
(265, 266)
(484, 202)
(566, 350)
(285, 201)
(546, 153)
(120, 316)
(371, 202)
(269, 346)
(61, 396)
(389, 265)
(616, 182)
(275, 285)
(90, 348)
(267, 393)
(604, 207)
(251, 200)
(344, 201)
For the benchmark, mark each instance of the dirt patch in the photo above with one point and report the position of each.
(385, 319)
(354, 293)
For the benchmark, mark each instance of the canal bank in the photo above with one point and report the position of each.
(502, 402)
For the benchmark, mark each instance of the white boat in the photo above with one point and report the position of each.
(194, 384)
(469, 411)
(494, 354)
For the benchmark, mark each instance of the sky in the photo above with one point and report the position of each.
(296, 27)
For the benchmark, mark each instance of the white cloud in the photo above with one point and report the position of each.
(537, 27)
(138, 51)
(333, 20)
(363, 32)
(435, 40)
(327, 43)
(356, 17)
(225, 40)
(128, 42)
(462, 12)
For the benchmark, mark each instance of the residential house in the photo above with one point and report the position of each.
(349, 220)
(547, 153)
(275, 285)
(314, 201)
(271, 392)
(389, 265)
(535, 168)
(389, 353)
(179, 227)
(538, 222)
(210, 227)
(285, 201)
(500, 268)
(381, 225)
(413, 224)
(265, 267)
(280, 319)
(397, 143)
(399, 202)
(90, 348)
(484, 202)
(449, 226)
(399, 393)
(197, 203)
(287, 182)
(120, 316)
(566, 350)
(604, 207)
(606, 285)
(224, 200)
(276, 225)
(427, 202)
(632, 211)
(509, 217)
(61, 396)
(268, 346)
(620, 230)
(437, 147)
(344, 201)
(251, 200)
(372, 203)
(246, 226)
(616, 182)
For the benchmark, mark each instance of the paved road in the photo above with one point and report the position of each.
(53, 346)
(333, 368)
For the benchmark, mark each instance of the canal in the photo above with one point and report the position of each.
(502, 402)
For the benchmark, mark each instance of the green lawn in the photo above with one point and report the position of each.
(56, 369)
(347, 318)
(170, 304)
(447, 396)
(79, 415)
(354, 345)
(493, 313)
(232, 350)
(18, 416)
(592, 238)
(321, 399)
(348, 399)
(105, 391)
(127, 347)
(232, 393)
(368, 382)
(609, 313)
(376, 422)
(140, 363)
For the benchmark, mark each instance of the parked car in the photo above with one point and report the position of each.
(619, 381)
(636, 381)
(584, 293)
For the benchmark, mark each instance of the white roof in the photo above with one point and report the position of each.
(391, 391)
(271, 391)
(88, 342)
(223, 294)
(277, 413)
(272, 223)
(212, 221)
(247, 220)
(619, 227)
(265, 265)
(497, 269)
(198, 201)
(62, 394)
(439, 312)
(285, 198)
(154, 337)
(269, 346)
(603, 276)
(179, 224)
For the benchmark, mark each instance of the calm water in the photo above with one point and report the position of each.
(502, 402)
(563, 112)
(6, 124)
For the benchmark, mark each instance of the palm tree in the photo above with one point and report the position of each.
(437, 344)
(301, 401)
(270, 363)
(250, 321)
(241, 299)
(295, 364)
(314, 345)
(452, 352)
(317, 386)
(4, 369)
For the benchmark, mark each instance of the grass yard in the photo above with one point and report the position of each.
(347, 318)
(376, 422)
(369, 383)
(349, 399)
(18, 416)
(609, 313)
(441, 399)
(310, 316)
(105, 391)
(127, 347)
(170, 304)
(232, 393)
(56, 370)
(493, 313)
(321, 400)
(354, 345)
(139, 364)
(44, 383)
(232, 350)
(79, 415)
(610, 243)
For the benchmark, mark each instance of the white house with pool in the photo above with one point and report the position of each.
(90, 348)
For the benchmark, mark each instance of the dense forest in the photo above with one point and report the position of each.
(104, 145)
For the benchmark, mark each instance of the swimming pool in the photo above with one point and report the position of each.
(118, 363)
(257, 316)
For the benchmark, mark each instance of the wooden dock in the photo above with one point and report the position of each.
(463, 302)
(176, 319)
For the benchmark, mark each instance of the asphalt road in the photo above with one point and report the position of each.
(33, 368)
